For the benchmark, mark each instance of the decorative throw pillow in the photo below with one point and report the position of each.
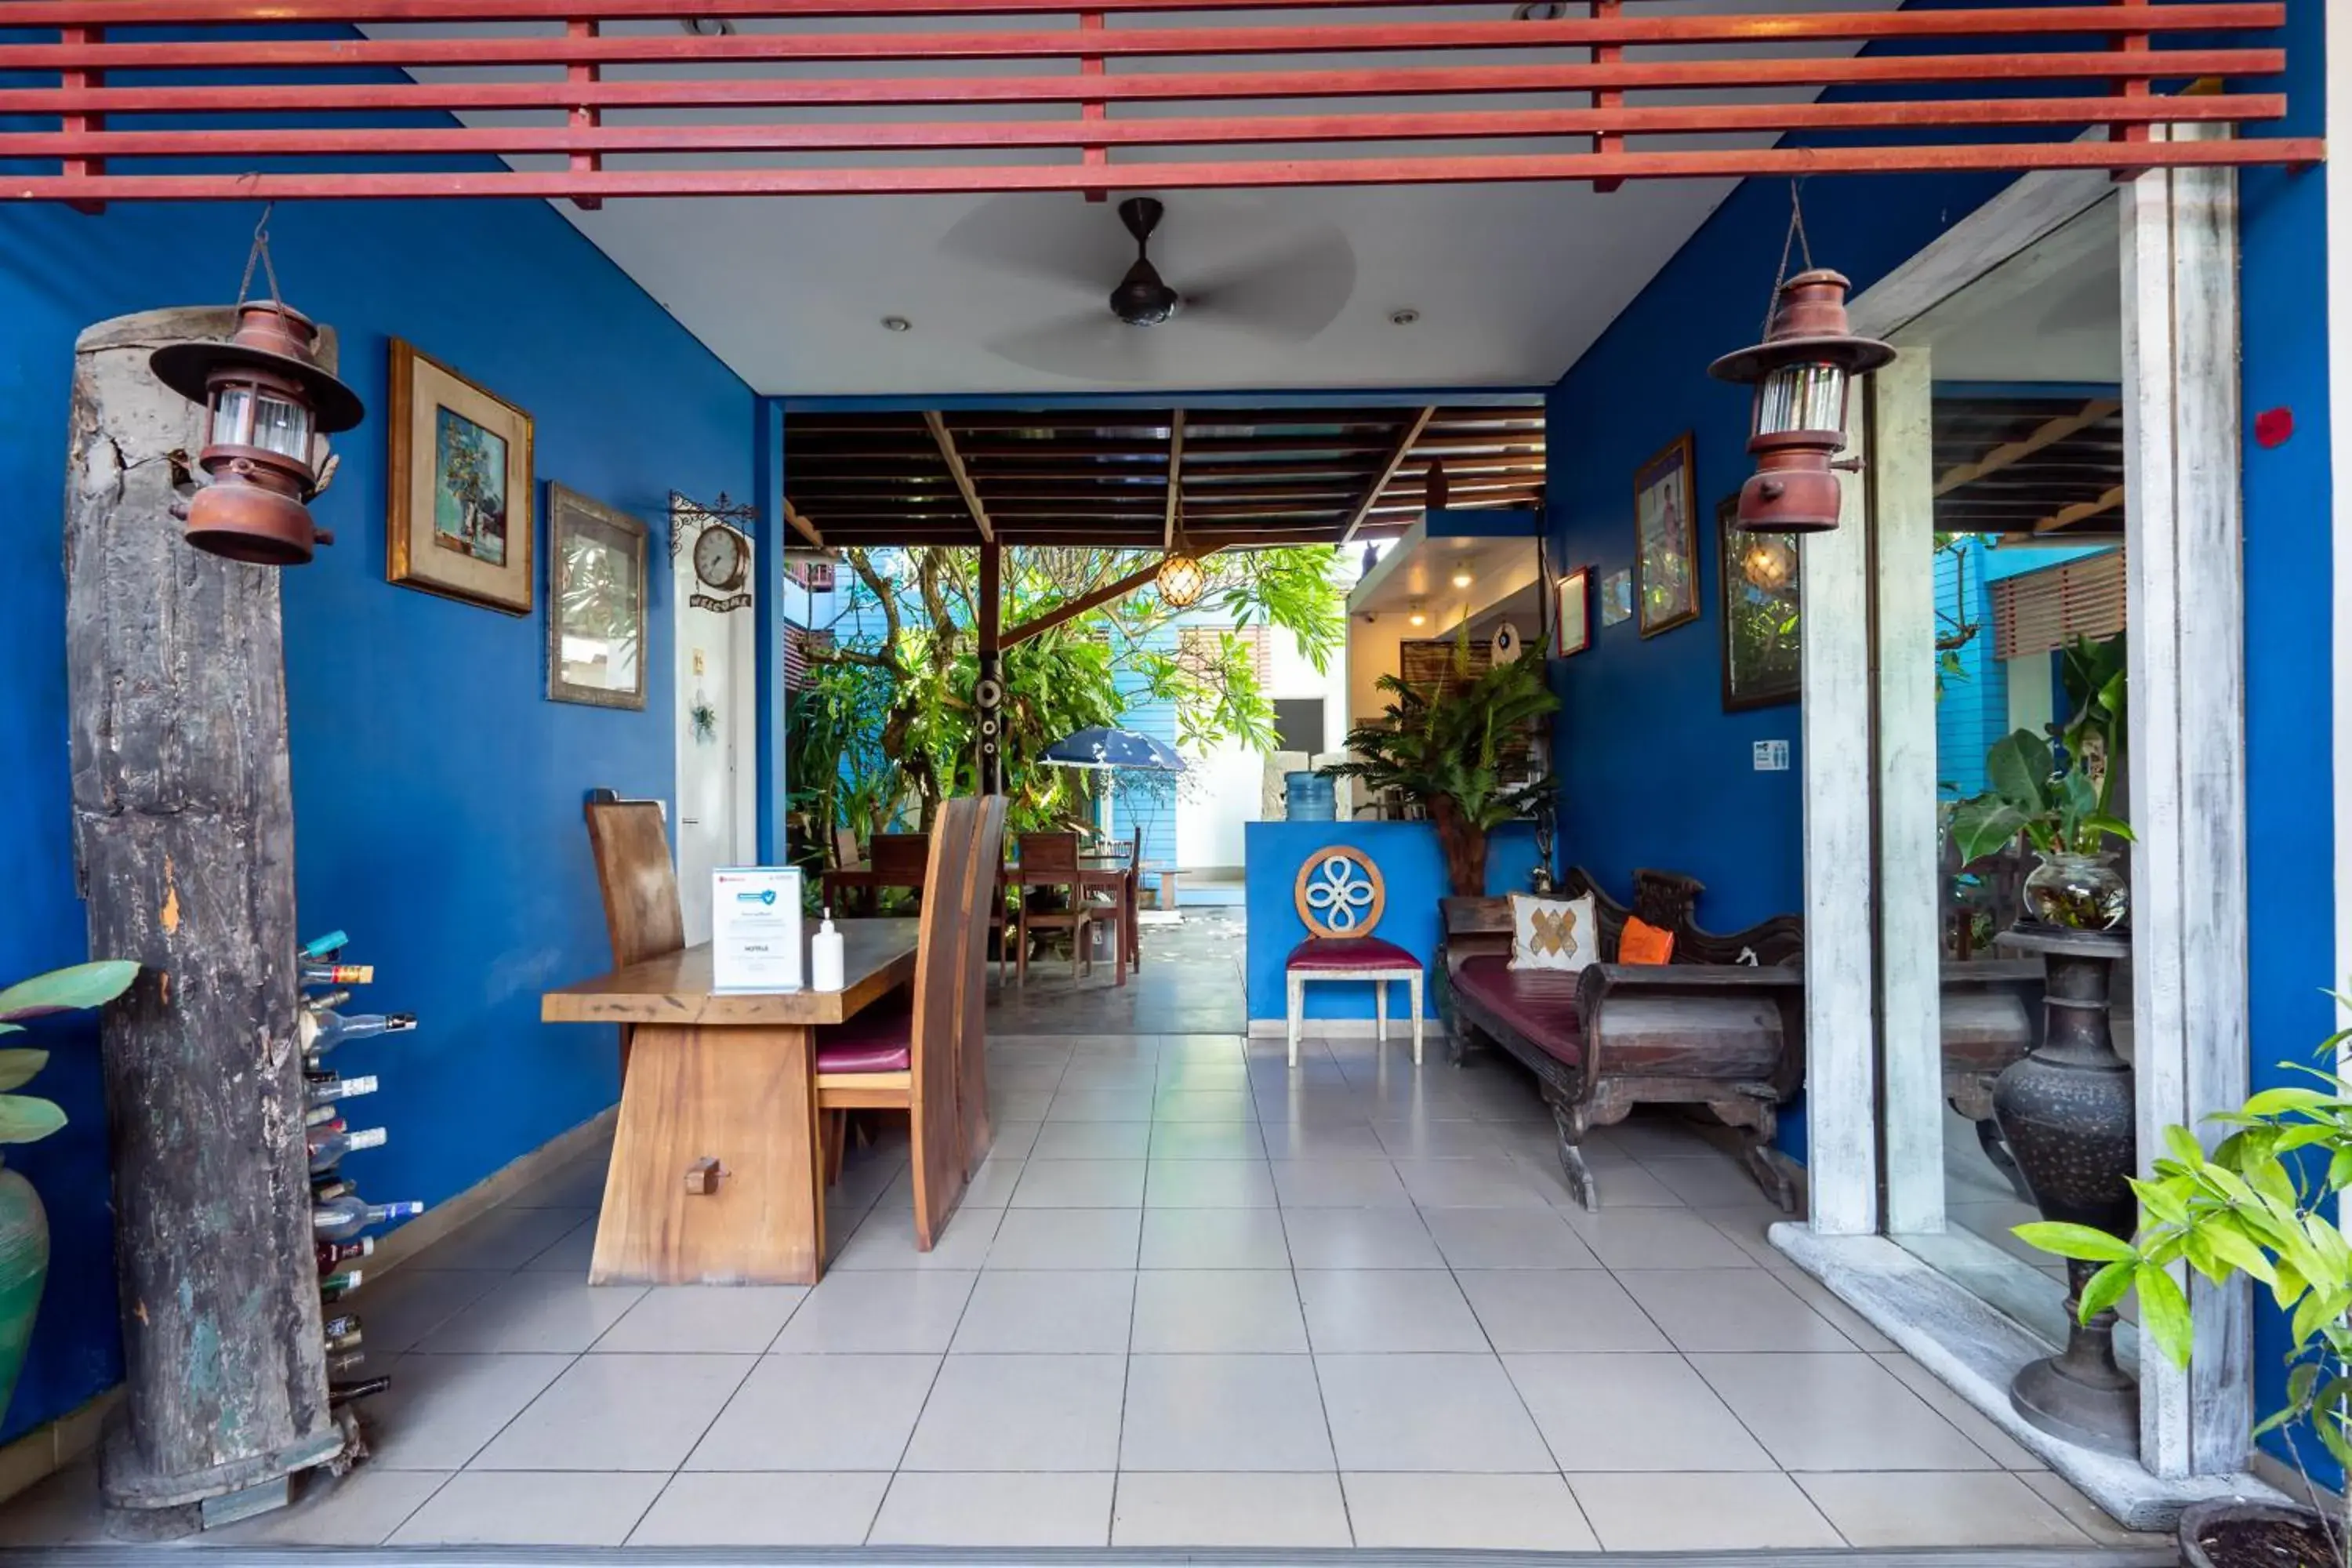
(1642, 943)
(1553, 933)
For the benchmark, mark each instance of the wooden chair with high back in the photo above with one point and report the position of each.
(972, 1035)
(1049, 863)
(639, 881)
(911, 1057)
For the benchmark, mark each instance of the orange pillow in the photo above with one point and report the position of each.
(1642, 943)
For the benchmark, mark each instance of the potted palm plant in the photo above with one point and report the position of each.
(2263, 1204)
(1463, 749)
(26, 1119)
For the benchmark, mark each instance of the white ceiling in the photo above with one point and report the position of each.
(1419, 571)
(1511, 282)
(2053, 312)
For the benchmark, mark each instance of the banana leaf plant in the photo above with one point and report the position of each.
(2263, 1204)
(26, 1118)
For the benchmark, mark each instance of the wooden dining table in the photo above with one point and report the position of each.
(716, 1175)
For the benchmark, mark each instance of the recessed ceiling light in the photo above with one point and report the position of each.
(896, 324)
(707, 26)
(1462, 579)
(1404, 318)
(1419, 616)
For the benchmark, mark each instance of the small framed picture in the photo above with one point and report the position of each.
(1572, 613)
(460, 487)
(1617, 597)
(596, 603)
(1666, 556)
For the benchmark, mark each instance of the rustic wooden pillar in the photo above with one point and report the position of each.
(184, 824)
(989, 688)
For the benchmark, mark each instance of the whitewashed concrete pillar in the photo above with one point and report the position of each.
(2186, 587)
(1840, 1077)
(1903, 525)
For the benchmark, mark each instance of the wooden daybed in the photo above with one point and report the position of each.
(1722, 1026)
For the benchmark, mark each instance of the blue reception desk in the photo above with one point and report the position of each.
(1411, 867)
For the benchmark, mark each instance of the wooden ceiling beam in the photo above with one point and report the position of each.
(2082, 512)
(954, 461)
(1175, 480)
(1403, 449)
(2095, 412)
(802, 525)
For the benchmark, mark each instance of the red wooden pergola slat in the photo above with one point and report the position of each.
(1258, 85)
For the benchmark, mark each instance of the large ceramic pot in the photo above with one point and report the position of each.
(2233, 1534)
(24, 1270)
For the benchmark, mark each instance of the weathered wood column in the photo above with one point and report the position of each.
(183, 825)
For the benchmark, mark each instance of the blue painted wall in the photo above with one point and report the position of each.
(1972, 708)
(436, 790)
(1412, 871)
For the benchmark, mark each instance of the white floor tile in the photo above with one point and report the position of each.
(1972, 1423)
(1494, 1513)
(442, 1410)
(1079, 1185)
(1654, 1239)
(1377, 1310)
(1230, 1311)
(1671, 1511)
(1093, 1141)
(1021, 1413)
(1229, 1510)
(1223, 1413)
(1101, 1105)
(1558, 1309)
(886, 1241)
(810, 1509)
(882, 1311)
(738, 1318)
(1506, 1238)
(1360, 1238)
(415, 1299)
(619, 1413)
(1067, 1239)
(1204, 1105)
(819, 1413)
(1480, 1182)
(1837, 1413)
(545, 1312)
(1729, 1309)
(1035, 1509)
(1215, 1238)
(1209, 1184)
(1427, 1412)
(1070, 1311)
(1207, 1140)
(1914, 1508)
(1339, 1184)
(362, 1508)
(507, 1237)
(482, 1509)
(1632, 1411)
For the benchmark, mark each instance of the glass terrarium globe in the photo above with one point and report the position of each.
(2079, 892)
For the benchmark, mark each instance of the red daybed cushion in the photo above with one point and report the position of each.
(1541, 1003)
(1349, 953)
(880, 1039)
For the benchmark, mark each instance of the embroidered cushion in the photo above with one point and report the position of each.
(1553, 933)
(1642, 943)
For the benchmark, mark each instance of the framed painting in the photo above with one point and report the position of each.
(1763, 620)
(460, 493)
(596, 601)
(1665, 555)
(1572, 613)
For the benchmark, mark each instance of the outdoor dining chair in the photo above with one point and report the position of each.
(1049, 864)
(630, 845)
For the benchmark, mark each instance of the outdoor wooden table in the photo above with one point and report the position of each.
(867, 883)
(727, 1078)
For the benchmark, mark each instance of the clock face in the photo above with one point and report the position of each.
(719, 557)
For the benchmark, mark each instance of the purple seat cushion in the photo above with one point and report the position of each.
(880, 1039)
(1349, 953)
(1541, 1003)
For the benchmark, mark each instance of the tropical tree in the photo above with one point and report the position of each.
(887, 729)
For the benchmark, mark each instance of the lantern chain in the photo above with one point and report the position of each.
(1796, 240)
(259, 255)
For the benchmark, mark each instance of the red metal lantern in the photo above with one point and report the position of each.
(265, 398)
(1802, 372)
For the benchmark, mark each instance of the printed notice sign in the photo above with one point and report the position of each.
(755, 928)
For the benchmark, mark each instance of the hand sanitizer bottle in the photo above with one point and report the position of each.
(825, 962)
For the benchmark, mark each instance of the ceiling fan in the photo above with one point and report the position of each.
(1256, 277)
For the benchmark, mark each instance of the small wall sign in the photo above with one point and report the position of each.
(1771, 756)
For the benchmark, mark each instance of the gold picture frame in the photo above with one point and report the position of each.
(596, 593)
(461, 522)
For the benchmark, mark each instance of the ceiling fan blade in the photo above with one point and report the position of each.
(1052, 236)
(1293, 291)
(1092, 345)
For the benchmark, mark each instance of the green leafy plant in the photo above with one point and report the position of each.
(2060, 812)
(1462, 749)
(2264, 1204)
(26, 1118)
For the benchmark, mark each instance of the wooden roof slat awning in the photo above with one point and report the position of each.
(631, 106)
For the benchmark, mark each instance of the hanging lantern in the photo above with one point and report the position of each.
(1767, 561)
(1802, 372)
(266, 400)
(1182, 579)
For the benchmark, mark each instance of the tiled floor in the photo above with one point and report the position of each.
(1196, 1297)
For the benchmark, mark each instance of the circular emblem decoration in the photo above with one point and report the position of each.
(1339, 892)
(990, 692)
(1507, 643)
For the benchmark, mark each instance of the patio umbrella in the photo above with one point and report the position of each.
(1101, 747)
